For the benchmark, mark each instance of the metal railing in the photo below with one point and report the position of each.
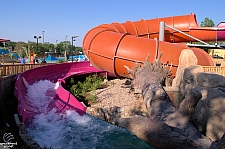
(17, 68)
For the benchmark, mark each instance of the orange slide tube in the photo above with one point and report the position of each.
(111, 46)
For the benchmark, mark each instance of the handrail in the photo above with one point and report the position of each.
(17, 68)
(186, 34)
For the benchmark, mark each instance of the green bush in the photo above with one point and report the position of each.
(85, 90)
(61, 61)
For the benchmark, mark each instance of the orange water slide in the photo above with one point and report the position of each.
(111, 46)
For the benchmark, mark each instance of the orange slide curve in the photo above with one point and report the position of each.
(111, 46)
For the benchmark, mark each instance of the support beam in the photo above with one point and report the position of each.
(161, 31)
(186, 34)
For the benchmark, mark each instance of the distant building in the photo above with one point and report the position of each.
(4, 40)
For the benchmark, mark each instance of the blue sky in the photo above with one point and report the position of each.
(22, 19)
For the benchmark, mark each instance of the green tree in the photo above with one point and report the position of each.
(10, 44)
(207, 23)
(78, 49)
(21, 49)
(67, 45)
(60, 48)
(31, 46)
(46, 47)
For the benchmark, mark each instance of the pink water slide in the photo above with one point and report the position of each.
(63, 99)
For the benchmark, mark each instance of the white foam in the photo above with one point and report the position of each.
(37, 94)
(69, 130)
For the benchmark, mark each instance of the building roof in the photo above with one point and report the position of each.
(4, 40)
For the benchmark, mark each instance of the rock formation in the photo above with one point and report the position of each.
(165, 126)
(187, 58)
(209, 117)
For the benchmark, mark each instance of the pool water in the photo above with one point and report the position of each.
(70, 130)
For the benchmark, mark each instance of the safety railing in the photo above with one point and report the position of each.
(215, 69)
(17, 68)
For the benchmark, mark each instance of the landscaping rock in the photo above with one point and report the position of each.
(211, 80)
(208, 117)
(187, 58)
(189, 78)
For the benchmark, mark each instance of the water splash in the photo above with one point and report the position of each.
(69, 130)
(40, 94)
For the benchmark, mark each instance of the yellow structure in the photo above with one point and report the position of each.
(217, 52)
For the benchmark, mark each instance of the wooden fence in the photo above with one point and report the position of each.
(17, 68)
(216, 69)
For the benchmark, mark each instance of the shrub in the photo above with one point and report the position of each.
(61, 61)
(85, 90)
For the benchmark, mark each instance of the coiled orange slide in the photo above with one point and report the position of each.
(111, 46)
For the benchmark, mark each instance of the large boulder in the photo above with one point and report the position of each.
(189, 79)
(209, 115)
(187, 58)
(208, 79)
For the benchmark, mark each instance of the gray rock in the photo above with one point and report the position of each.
(209, 80)
(189, 79)
(209, 115)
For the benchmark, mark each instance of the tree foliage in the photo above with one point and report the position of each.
(83, 90)
(23, 48)
(207, 23)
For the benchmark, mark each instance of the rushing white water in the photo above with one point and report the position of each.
(69, 130)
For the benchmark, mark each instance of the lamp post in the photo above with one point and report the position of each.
(43, 36)
(73, 39)
(37, 37)
(65, 56)
(66, 42)
(56, 46)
